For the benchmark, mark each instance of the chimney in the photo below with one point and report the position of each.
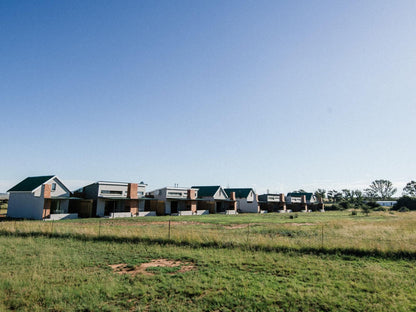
(191, 194)
(132, 190)
(303, 199)
(46, 190)
(232, 195)
(282, 198)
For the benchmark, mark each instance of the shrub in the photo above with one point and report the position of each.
(344, 205)
(365, 209)
(353, 213)
(405, 201)
(373, 204)
(404, 209)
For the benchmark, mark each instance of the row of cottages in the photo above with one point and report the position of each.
(294, 202)
(46, 197)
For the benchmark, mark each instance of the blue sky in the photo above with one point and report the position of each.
(276, 95)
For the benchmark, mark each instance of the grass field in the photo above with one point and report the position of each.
(315, 262)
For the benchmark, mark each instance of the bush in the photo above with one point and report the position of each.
(332, 207)
(405, 201)
(373, 204)
(344, 205)
(365, 209)
(353, 213)
(404, 209)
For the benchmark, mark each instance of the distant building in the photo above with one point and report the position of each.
(387, 203)
(39, 198)
(272, 202)
(115, 199)
(294, 198)
(246, 198)
(177, 201)
(215, 200)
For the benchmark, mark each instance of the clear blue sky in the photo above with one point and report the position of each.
(276, 95)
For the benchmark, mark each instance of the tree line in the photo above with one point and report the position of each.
(378, 190)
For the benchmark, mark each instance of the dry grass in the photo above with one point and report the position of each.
(381, 231)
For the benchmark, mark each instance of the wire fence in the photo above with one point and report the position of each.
(360, 236)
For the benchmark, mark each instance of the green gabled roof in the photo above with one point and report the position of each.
(239, 192)
(207, 191)
(308, 195)
(30, 183)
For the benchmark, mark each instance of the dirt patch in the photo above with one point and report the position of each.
(301, 224)
(123, 268)
(236, 226)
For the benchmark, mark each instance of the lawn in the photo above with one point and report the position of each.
(213, 263)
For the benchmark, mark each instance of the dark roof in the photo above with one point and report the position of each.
(239, 192)
(308, 195)
(207, 191)
(30, 183)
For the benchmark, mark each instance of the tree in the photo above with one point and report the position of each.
(348, 195)
(334, 196)
(358, 197)
(380, 189)
(320, 194)
(410, 189)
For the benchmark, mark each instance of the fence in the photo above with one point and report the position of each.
(360, 236)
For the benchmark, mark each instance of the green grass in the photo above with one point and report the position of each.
(257, 265)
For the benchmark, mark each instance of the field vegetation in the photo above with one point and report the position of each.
(333, 261)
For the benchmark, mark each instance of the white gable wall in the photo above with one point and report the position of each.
(220, 194)
(25, 205)
(249, 204)
(59, 191)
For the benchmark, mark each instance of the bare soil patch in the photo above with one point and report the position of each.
(301, 224)
(123, 268)
(236, 226)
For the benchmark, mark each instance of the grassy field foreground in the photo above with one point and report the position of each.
(51, 270)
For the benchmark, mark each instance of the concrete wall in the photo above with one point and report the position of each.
(25, 205)
(244, 206)
(112, 187)
(100, 207)
(147, 213)
(62, 216)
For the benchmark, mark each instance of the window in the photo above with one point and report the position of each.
(53, 188)
(112, 192)
(175, 194)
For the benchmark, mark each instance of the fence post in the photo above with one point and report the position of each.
(99, 228)
(169, 230)
(52, 226)
(248, 232)
(322, 237)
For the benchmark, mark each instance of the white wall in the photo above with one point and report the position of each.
(25, 205)
(220, 194)
(100, 207)
(247, 206)
(59, 191)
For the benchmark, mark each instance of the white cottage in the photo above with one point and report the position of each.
(247, 200)
(39, 198)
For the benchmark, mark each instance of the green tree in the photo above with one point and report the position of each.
(320, 194)
(410, 189)
(380, 189)
(348, 195)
